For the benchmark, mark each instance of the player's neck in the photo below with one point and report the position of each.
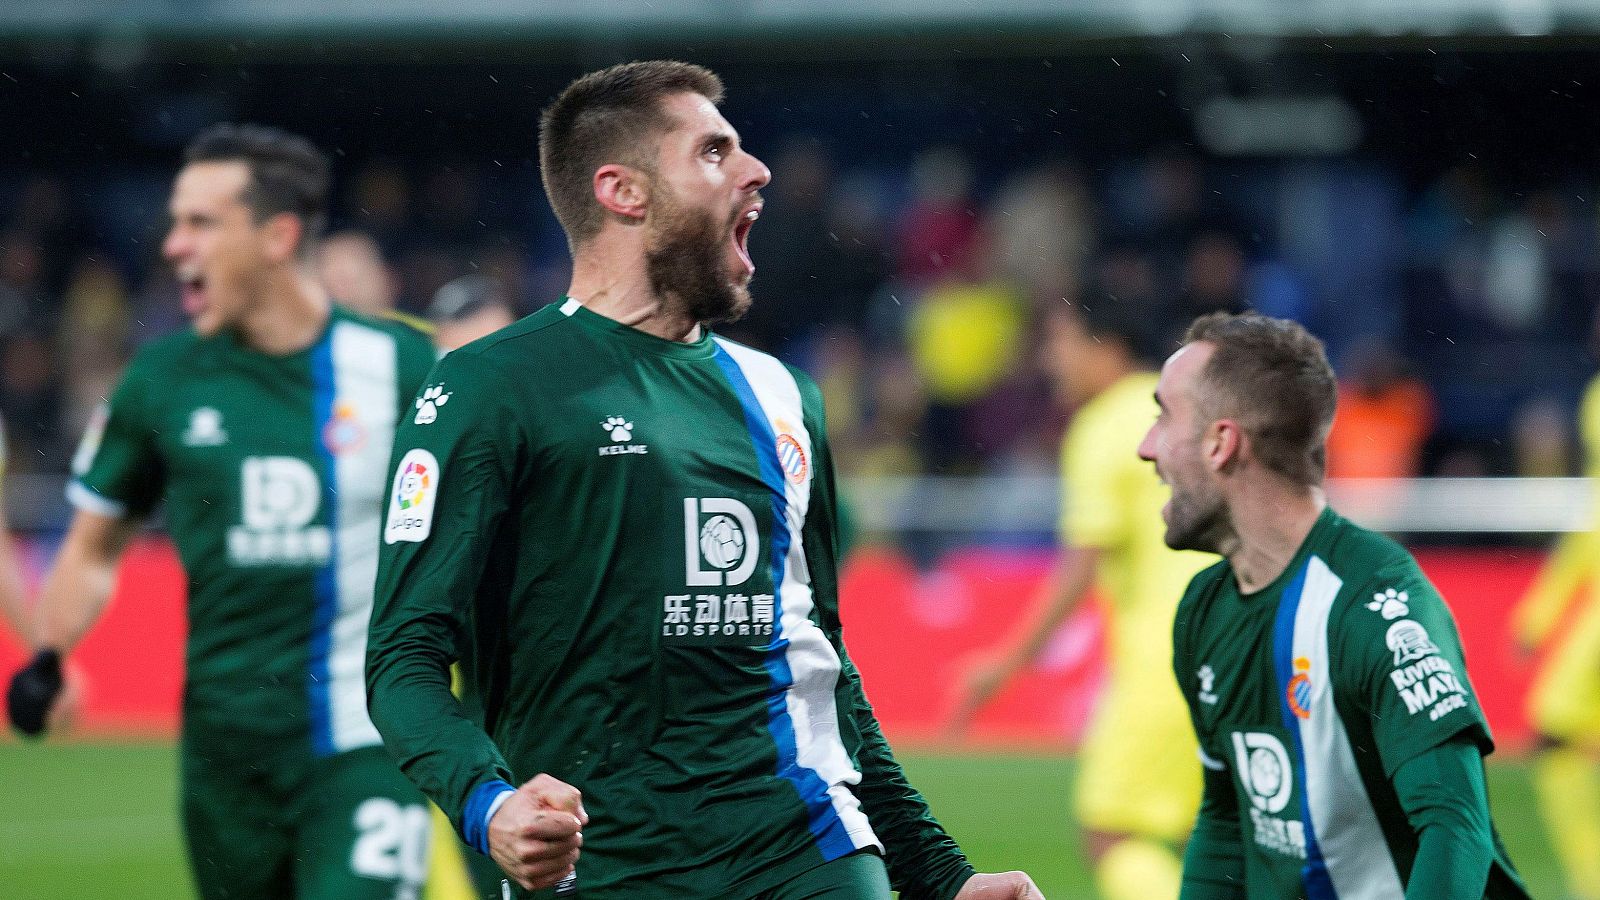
(616, 284)
(290, 317)
(1271, 520)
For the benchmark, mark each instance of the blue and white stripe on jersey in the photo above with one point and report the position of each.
(355, 378)
(1347, 855)
(803, 716)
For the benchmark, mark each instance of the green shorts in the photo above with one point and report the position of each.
(266, 820)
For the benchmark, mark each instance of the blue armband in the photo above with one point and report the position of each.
(482, 803)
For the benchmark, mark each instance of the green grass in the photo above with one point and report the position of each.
(100, 820)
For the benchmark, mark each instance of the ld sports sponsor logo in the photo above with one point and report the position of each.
(721, 547)
(411, 498)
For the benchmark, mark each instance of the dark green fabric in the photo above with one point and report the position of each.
(1213, 862)
(561, 556)
(267, 821)
(859, 876)
(1447, 802)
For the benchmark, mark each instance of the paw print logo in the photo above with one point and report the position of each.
(428, 404)
(1391, 604)
(619, 428)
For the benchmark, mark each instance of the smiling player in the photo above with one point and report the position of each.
(1341, 739)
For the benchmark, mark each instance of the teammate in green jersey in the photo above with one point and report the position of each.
(1340, 736)
(266, 428)
(626, 530)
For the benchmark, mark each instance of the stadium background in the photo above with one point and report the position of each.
(1416, 182)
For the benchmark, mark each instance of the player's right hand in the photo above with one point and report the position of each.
(33, 691)
(535, 835)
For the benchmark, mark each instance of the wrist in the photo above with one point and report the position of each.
(482, 804)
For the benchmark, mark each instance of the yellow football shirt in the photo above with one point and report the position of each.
(1112, 502)
(1138, 772)
(1564, 701)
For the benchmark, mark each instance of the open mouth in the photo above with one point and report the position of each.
(741, 238)
(192, 291)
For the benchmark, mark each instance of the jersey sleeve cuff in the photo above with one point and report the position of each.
(482, 804)
(83, 497)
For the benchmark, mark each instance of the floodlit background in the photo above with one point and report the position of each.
(1416, 182)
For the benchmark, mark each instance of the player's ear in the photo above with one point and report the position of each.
(281, 235)
(623, 191)
(1223, 445)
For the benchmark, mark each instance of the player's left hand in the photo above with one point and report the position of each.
(1004, 886)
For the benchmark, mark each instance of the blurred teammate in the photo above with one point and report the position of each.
(625, 529)
(468, 308)
(351, 266)
(265, 427)
(1564, 703)
(1341, 739)
(1137, 788)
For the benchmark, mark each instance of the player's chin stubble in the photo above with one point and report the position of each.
(1195, 523)
(687, 264)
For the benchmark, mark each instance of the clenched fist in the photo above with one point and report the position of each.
(535, 835)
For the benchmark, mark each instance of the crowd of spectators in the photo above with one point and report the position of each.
(1458, 312)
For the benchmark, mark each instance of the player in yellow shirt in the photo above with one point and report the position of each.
(1564, 703)
(1138, 784)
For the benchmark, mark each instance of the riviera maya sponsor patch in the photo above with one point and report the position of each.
(411, 498)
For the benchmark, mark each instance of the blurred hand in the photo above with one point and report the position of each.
(535, 835)
(978, 682)
(33, 692)
(1004, 886)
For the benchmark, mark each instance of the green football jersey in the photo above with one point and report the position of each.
(1312, 692)
(273, 469)
(630, 544)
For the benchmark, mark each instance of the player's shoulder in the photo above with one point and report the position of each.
(1359, 555)
(410, 334)
(170, 354)
(1380, 581)
(760, 362)
(525, 345)
(539, 332)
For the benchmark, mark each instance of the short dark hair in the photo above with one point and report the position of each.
(464, 297)
(609, 116)
(1273, 376)
(288, 174)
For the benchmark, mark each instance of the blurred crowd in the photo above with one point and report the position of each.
(1458, 311)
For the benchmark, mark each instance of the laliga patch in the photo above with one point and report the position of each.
(411, 499)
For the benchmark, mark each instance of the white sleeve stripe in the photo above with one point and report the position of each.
(494, 807)
(83, 497)
(1215, 765)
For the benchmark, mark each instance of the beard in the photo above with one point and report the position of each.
(685, 260)
(1197, 520)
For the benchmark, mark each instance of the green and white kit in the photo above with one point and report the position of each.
(630, 544)
(1309, 695)
(272, 469)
